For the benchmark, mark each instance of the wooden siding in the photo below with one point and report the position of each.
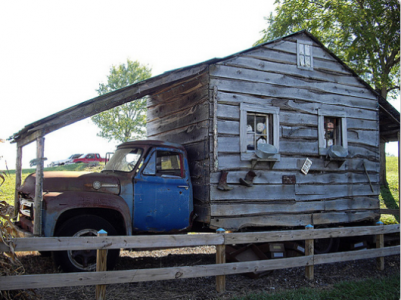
(180, 114)
(331, 192)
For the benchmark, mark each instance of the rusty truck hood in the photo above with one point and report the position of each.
(72, 181)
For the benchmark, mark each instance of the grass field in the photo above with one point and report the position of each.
(370, 289)
(389, 196)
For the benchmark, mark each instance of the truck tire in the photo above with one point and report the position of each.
(83, 260)
(326, 245)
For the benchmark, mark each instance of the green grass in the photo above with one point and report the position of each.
(370, 289)
(389, 195)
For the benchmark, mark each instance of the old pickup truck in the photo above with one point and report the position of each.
(145, 187)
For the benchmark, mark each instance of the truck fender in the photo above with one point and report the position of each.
(55, 204)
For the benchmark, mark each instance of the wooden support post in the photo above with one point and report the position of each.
(18, 180)
(221, 259)
(101, 265)
(380, 244)
(37, 206)
(309, 250)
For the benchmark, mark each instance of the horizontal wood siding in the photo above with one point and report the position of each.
(180, 114)
(332, 192)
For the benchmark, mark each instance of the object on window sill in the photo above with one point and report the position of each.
(248, 180)
(265, 151)
(337, 151)
(223, 186)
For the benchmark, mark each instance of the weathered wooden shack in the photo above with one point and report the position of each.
(282, 134)
(291, 93)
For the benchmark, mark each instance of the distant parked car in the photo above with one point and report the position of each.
(68, 160)
(89, 157)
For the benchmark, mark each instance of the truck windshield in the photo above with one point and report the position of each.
(124, 160)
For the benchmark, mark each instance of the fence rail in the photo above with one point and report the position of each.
(176, 241)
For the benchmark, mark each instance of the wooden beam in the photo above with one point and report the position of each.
(102, 103)
(189, 240)
(18, 179)
(101, 265)
(37, 208)
(309, 250)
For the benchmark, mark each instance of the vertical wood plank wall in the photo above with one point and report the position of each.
(329, 193)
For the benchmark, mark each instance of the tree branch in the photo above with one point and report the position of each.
(397, 87)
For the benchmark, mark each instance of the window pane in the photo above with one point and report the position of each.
(250, 141)
(307, 61)
(261, 125)
(302, 60)
(261, 140)
(302, 49)
(168, 164)
(250, 123)
(151, 166)
(307, 49)
(332, 131)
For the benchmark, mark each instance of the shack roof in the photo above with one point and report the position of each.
(389, 116)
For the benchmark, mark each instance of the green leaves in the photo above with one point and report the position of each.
(365, 34)
(128, 121)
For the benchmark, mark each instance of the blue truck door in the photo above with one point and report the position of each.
(163, 192)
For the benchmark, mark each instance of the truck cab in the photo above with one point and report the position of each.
(144, 188)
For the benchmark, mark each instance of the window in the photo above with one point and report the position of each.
(304, 55)
(332, 130)
(258, 130)
(124, 160)
(164, 164)
(259, 125)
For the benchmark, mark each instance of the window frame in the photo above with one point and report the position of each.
(246, 108)
(158, 173)
(344, 130)
(299, 45)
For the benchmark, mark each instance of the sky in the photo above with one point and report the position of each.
(54, 54)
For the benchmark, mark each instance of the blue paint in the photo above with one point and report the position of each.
(162, 203)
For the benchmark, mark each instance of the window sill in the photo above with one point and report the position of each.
(251, 156)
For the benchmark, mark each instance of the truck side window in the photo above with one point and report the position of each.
(164, 164)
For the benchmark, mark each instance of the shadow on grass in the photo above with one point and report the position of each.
(389, 200)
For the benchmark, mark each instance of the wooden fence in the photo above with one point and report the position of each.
(220, 269)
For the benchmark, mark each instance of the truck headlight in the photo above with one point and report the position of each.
(96, 185)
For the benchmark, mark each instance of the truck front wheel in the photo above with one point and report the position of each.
(83, 260)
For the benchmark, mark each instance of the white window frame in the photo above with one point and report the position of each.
(258, 109)
(300, 45)
(335, 114)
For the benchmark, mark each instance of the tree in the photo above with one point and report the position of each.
(126, 121)
(365, 34)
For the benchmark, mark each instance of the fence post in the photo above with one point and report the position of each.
(380, 244)
(309, 250)
(221, 259)
(101, 265)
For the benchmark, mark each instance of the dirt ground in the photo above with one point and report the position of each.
(205, 287)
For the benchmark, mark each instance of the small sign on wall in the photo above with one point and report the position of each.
(306, 166)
